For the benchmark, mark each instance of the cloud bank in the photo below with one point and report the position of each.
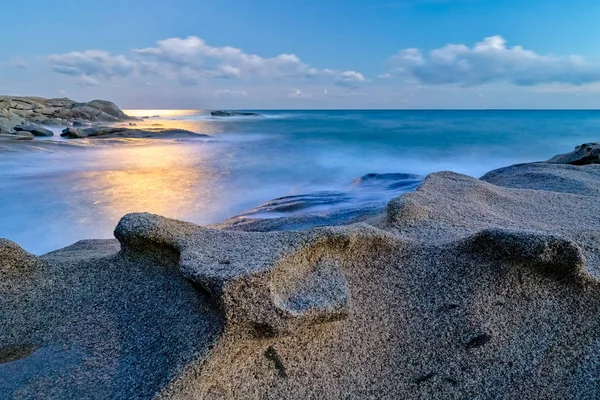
(190, 61)
(492, 61)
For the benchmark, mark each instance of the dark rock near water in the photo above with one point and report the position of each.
(120, 132)
(34, 130)
(587, 153)
(13, 137)
(223, 113)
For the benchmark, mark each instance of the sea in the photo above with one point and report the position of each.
(301, 162)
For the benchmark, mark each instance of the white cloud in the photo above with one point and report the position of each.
(492, 61)
(190, 61)
(349, 79)
(193, 54)
(385, 76)
(91, 65)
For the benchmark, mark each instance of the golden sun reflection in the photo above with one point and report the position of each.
(190, 120)
(161, 113)
(169, 180)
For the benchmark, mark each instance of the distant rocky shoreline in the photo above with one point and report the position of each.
(23, 111)
(21, 120)
(464, 288)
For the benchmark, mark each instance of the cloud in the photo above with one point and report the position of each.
(349, 79)
(91, 65)
(19, 62)
(492, 61)
(190, 61)
(385, 76)
(205, 61)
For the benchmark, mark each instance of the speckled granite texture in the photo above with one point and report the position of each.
(465, 289)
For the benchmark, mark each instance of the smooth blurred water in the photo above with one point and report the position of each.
(53, 198)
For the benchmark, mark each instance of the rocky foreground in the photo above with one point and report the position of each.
(466, 288)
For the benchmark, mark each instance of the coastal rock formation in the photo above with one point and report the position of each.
(36, 110)
(120, 132)
(465, 288)
(34, 130)
(587, 153)
(222, 113)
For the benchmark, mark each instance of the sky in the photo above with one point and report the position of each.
(306, 54)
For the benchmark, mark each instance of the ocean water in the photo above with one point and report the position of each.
(52, 198)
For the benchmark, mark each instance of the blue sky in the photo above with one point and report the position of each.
(307, 54)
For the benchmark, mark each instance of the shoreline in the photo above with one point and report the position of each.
(464, 286)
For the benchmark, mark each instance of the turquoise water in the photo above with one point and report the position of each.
(53, 198)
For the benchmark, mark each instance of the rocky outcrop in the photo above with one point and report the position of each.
(120, 132)
(36, 110)
(13, 137)
(587, 153)
(34, 130)
(223, 113)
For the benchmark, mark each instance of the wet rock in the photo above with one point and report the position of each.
(34, 130)
(587, 153)
(223, 113)
(118, 132)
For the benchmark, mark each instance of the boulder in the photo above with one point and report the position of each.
(11, 137)
(8, 120)
(587, 153)
(110, 132)
(108, 108)
(34, 130)
(37, 110)
(223, 113)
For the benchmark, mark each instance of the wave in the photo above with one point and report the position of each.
(364, 197)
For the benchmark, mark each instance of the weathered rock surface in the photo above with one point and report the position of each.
(587, 153)
(121, 132)
(461, 289)
(13, 137)
(36, 110)
(34, 130)
(224, 113)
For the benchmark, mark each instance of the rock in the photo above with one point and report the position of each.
(119, 132)
(476, 338)
(8, 120)
(108, 108)
(78, 124)
(548, 252)
(34, 130)
(4, 136)
(23, 110)
(72, 133)
(587, 153)
(222, 113)
(24, 134)
(293, 285)
(13, 259)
